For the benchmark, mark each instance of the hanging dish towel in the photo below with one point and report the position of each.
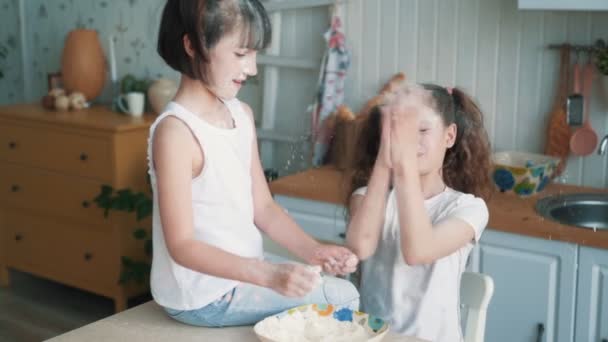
(331, 89)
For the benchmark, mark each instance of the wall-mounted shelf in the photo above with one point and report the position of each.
(273, 135)
(288, 62)
(273, 64)
(563, 5)
(275, 5)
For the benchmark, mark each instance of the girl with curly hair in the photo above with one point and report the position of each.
(418, 207)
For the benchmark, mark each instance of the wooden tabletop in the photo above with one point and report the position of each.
(148, 322)
(508, 212)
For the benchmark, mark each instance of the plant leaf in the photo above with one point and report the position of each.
(148, 247)
(140, 234)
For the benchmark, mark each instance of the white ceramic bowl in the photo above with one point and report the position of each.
(309, 320)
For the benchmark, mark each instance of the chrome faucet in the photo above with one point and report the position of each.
(603, 146)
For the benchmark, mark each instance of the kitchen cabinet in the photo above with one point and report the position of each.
(567, 5)
(322, 220)
(52, 166)
(592, 296)
(553, 288)
(534, 286)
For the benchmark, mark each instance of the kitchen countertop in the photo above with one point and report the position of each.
(508, 212)
(148, 322)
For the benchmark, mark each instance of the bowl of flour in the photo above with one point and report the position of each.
(321, 323)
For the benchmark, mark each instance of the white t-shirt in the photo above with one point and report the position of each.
(420, 300)
(222, 203)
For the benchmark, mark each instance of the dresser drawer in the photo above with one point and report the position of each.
(56, 150)
(50, 193)
(71, 254)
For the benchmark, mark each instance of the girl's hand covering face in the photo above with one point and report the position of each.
(404, 107)
(384, 152)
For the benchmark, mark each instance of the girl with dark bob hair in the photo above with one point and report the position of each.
(211, 199)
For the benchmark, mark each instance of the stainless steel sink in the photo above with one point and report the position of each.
(582, 210)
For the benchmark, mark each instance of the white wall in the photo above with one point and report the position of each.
(488, 47)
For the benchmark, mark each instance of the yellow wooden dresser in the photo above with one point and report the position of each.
(52, 166)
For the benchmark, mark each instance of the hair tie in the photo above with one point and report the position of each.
(449, 90)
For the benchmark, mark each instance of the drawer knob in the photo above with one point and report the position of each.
(85, 204)
(18, 237)
(12, 145)
(84, 157)
(15, 188)
(88, 256)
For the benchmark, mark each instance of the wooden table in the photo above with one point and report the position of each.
(148, 322)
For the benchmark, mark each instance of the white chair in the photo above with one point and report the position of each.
(476, 290)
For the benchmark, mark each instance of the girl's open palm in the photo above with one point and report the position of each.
(334, 259)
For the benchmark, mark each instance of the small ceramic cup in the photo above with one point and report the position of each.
(131, 103)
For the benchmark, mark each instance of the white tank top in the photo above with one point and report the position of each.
(222, 203)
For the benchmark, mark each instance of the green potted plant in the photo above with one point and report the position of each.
(140, 204)
(3, 54)
(601, 61)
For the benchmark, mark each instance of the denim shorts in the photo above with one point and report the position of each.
(247, 304)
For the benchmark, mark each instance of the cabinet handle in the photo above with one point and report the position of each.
(85, 204)
(88, 256)
(84, 156)
(12, 145)
(18, 237)
(540, 331)
(15, 188)
(342, 235)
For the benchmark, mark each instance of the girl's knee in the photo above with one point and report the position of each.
(340, 292)
(210, 316)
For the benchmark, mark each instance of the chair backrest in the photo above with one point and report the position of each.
(476, 290)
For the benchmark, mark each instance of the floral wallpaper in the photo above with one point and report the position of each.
(133, 24)
(11, 72)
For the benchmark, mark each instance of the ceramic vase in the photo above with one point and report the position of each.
(83, 66)
(160, 93)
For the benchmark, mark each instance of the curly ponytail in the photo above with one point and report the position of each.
(367, 146)
(467, 164)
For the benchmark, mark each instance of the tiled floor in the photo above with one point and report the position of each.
(35, 309)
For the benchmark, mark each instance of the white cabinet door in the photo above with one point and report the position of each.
(568, 5)
(592, 297)
(319, 219)
(534, 287)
